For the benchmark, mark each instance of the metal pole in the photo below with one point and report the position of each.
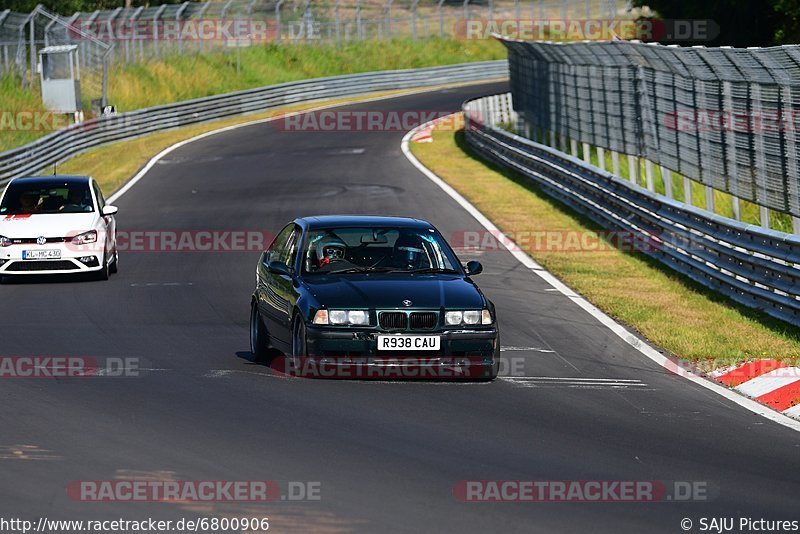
(359, 29)
(387, 14)
(32, 36)
(178, 22)
(338, 21)
(278, 20)
(201, 16)
(155, 29)
(441, 17)
(466, 9)
(414, 18)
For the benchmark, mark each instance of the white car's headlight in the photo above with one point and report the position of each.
(5, 241)
(342, 317)
(85, 238)
(468, 317)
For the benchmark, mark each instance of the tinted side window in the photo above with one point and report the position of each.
(289, 252)
(100, 200)
(275, 250)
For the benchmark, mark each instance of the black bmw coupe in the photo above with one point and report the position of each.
(371, 297)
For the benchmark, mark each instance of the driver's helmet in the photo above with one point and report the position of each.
(329, 249)
(408, 249)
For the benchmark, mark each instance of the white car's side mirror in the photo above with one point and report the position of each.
(110, 210)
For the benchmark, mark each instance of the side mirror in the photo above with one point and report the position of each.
(109, 210)
(278, 267)
(474, 267)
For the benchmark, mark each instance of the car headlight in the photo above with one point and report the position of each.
(358, 317)
(5, 241)
(453, 318)
(468, 317)
(321, 317)
(85, 238)
(342, 317)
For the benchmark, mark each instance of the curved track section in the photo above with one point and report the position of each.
(388, 455)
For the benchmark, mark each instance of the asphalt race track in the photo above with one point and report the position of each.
(387, 455)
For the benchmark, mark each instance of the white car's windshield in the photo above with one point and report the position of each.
(342, 250)
(46, 198)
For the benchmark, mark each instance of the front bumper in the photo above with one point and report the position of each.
(353, 353)
(73, 259)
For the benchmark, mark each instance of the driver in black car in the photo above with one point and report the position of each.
(328, 250)
(409, 252)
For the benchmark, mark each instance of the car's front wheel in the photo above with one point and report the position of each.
(298, 343)
(114, 267)
(259, 340)
(104, 272)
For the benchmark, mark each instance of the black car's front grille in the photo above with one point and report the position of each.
(424, 320)
(393, 320)
(56, 265)
(398, 320)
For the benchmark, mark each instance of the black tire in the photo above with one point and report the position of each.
(259, 339)
(298, 344)
(103, 273)
(114, 267)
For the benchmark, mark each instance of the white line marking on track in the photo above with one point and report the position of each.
(590, 308)
(519, 349)
(794, 411)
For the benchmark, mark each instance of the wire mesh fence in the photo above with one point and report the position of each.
(724, 117)
(142, 33)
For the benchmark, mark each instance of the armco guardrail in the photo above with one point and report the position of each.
(66, 143)
(751, 265)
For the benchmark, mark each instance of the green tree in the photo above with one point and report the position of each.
(741, 22)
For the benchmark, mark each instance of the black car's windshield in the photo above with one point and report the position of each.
(377, 249)
(46, 197)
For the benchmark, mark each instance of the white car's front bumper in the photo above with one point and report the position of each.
(73, 259)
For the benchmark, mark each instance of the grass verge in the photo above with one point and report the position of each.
(182, 77)
(669, 310)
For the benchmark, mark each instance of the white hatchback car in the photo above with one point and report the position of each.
(56, 225)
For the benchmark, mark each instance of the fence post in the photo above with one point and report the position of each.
(601, 158)
(666, 177)
(414, 19)
(687, 191)
(615, 163)
(441, 17)
(587, 154)
(648, 171)
(156, 16)
(633, 169)
(33, 49)
(573, 146)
